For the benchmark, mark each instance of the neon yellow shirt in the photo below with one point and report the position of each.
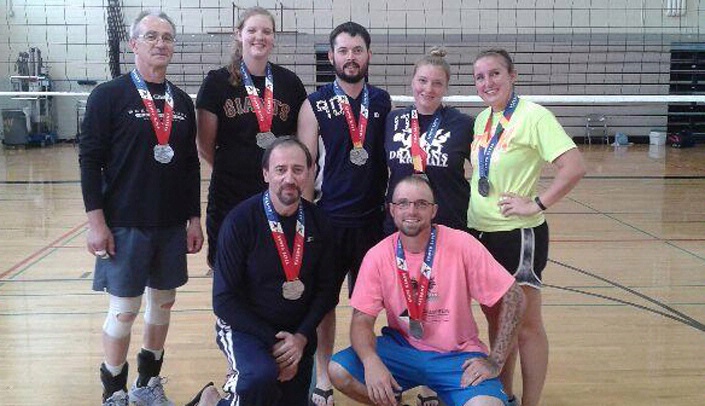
(532, 138)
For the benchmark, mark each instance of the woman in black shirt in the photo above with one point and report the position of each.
(235, 125)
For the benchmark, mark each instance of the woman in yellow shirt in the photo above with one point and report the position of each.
(514, 138)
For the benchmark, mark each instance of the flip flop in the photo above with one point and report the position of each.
(325, 394)
(197, 398)
(428, 400)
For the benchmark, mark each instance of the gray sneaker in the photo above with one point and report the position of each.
(118, 398)
(150, 395)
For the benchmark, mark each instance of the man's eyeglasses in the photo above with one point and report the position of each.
(419, 204)
(152, 38)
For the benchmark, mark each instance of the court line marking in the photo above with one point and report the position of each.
(40, 253)
(637, 229)
(648, 177)
(673, 313)
(61, 182)
(618, 303)
(659, 240)
(11, 183)
(670, 313)
(185, 290)
(586, 177)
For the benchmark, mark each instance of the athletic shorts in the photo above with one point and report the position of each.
(411, 367)
(144, 256)
(522, 251)
(352, 244)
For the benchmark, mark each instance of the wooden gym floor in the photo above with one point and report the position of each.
(623, 305)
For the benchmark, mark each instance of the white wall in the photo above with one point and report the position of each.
(72, 33)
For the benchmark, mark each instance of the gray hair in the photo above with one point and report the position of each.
(134, 31)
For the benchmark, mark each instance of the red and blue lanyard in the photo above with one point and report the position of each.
(264, 110)
(416, 305)
(484, 156)
(418, 155)
(291, 261)
(162, 128)
(357, 131)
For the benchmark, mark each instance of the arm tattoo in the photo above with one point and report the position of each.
(509, 319)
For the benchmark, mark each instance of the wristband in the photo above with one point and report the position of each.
(540, 203)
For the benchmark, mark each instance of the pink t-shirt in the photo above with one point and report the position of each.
(462, 270)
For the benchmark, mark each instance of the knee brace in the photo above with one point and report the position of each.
(158, 308)
(122, 312)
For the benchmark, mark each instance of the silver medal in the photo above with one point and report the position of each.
(265, 139)
(292, 290)
(163, 153)
(483, 186)
(416, 329)
(358, 156)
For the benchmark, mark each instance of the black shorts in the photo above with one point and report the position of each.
(523, 252)
(352, 244)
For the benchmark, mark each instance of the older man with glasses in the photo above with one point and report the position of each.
(140, 178)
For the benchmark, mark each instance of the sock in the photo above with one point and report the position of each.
(157, 353)
(114, 370)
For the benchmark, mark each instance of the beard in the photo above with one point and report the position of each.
(361, 72)
(287, 198)
(410, 230)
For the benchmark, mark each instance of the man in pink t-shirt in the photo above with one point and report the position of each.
(432, 338)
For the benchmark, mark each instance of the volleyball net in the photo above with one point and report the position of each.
(641, 65)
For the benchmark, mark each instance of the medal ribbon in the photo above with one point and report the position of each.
(162, 128)
(416, 307)
(485, 155)
(264, 110)
(418, 155)
(291, 262)
(357, 131)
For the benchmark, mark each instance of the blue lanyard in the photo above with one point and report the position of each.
(432, 129)
(484, 156)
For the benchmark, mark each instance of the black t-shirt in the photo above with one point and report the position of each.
(447, 154)
(237, 168)
(118, 171)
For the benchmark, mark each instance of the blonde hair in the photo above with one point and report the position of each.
(236, 56)
(434, 57)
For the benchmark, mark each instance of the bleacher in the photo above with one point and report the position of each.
(572, 64)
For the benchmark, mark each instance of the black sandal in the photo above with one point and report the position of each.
(197, 398)
(425, 400)
(325, 394)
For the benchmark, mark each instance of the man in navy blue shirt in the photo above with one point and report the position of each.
(272, 285)
(342, 124)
